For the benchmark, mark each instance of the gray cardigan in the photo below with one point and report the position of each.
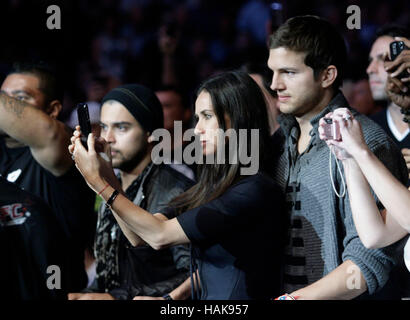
(331, 217)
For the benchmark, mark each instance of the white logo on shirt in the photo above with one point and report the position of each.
(13, 176)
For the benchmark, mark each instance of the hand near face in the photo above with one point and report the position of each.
(94, 164)
(398, 92)
(352, 137)
(397, 89)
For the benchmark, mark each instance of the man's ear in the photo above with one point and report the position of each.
(328, 76)
(150, 138)
(54, 109)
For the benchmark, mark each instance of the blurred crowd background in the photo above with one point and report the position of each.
(103, 43)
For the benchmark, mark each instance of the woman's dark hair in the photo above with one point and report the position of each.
(236, 95)
(318, 39)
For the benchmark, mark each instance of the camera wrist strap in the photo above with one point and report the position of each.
(340, 172)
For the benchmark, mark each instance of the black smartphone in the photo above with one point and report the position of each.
(396, 47)
(84, 122)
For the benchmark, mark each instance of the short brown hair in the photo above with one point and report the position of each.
(322, 43)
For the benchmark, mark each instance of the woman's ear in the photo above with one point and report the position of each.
(328, 76)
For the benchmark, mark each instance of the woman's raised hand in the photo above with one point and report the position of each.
(95, 163)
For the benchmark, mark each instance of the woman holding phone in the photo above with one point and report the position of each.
(234, 222)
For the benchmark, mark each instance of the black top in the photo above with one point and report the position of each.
(68, 196)
(381, 119)
(237, 241)
(29, 243)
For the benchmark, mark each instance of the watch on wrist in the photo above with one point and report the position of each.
(167, 297)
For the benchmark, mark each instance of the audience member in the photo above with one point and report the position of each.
(263, 76)
(129, 114)
(390, 119)
(361, 98)
(233, 221)
(33, 155)
(30, 243)
(176, 107)
(307, 57)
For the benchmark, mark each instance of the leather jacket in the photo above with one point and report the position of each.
(125, 271)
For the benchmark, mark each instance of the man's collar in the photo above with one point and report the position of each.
(338, 101)
(147, 170)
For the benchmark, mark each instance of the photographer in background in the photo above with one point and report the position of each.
(391, 118)
(398, 89)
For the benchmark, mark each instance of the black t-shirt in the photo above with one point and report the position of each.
(237, 241)
(29, 243)
(68, 196)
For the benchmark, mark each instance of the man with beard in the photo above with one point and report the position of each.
(129, 115)
(391, 118)
(34, 156)
(307, 56)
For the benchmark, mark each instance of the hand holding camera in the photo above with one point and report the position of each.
(331, 129)
(342, 133)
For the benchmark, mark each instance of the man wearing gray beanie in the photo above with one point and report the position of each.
(129, 115)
